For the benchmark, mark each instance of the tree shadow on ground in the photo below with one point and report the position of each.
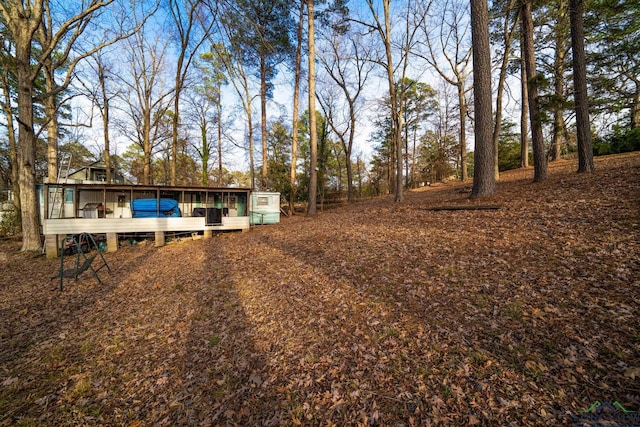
(483, 320)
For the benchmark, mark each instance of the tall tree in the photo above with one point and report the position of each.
(559, 100)
(508, 12)
(104, 112)
(261, 29)
(279, 149)
(199, 114)
(101, 96)
(383, 159)
(23, 19)
(438, 152)
(418, 104)
(313, 137)
(231, 57)
(186, 14)
(524, 111)
(446, 47)
(585, 148)
(146, 98)
(8, 81)
(484, 183)
(54, 63)
(296, 107)
(382, 26)
(51, 104)
(347, 65)
(613, 62)
(214, 80)
(535, 115)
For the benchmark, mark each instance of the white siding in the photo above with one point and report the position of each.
(135, 225)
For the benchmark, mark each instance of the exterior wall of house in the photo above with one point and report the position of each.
(74, 208)
(265, 208)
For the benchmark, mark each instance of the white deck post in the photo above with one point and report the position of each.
(112, 242)
(51, 245)
(159, 238)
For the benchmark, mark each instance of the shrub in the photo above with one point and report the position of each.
(620, 141)
(10, 225)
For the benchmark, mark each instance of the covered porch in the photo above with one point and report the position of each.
(74, 208)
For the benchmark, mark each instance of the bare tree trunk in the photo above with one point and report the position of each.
(558, 71)
(524, 116)
(146, 148)
(313, 131)
(246, 102)
(635, 107)
(219, 113)
(205, 155)
(539, 151)
(508, 34)
(175, 121)
(105, 119)
(558, 128)
(296, 108)
(462, 105)
(484, 183)
(347, 155)
(51, 114)
(23, 25)
(234, 67)
(11, 136)
(45, 36)
(406, 145)
(263, 121)
(585, 148)
(26, 145)
(252, 161)
(413, 159)
(396, 114)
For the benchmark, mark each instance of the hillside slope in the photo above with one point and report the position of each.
(371, 314)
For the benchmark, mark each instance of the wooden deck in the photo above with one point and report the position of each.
(114, 226)
(135, 225)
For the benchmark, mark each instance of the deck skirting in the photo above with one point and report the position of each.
(64, 226)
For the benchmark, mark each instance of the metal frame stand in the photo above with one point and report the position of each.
(88, 261)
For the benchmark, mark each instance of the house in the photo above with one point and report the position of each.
(96, 172)
(98, 208)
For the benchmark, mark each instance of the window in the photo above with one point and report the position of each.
(263, 201)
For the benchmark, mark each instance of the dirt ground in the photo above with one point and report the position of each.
(371, 314)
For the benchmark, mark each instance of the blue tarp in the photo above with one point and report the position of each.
(148, 208)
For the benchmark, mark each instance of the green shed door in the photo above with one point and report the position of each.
(242, 204)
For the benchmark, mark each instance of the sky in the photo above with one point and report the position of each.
(279, 106)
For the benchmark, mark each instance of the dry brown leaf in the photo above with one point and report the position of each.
(373, 313)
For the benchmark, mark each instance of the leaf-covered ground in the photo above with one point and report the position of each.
(371, 314)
